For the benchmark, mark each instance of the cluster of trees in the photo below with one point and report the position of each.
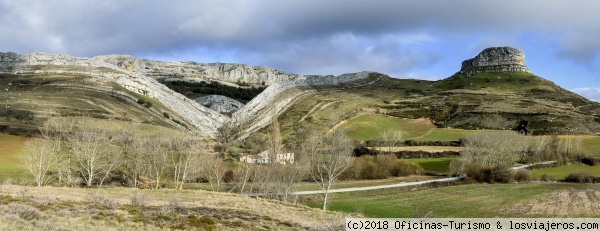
(215, 88)
(369, 167)
(489, 156)
(73, 153)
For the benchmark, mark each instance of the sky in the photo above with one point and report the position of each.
(421, 39)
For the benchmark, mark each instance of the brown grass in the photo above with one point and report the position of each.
(422, 148)
(565, 203)
(219, 211)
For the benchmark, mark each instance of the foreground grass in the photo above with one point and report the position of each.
(53, 208)
(559, 173)
(11, 147)
(474, 200)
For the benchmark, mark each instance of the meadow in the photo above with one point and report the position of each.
(559, 173)
(472, 200)
(11, 147)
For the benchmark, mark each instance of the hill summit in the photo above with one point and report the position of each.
(495, 59)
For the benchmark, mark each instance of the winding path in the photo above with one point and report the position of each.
(354, 189)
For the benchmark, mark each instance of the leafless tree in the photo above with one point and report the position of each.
(157, 159)
(213, 170)
(39, 157)
(389, 140)
(274, 138)
(244, 173)
(89, 149)
(493, 148)
(184, 155)
(332, 157)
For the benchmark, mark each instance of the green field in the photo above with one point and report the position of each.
(436, 165)
(591, 145)
(559, 173)
(10, 149)
(369, 127)
(475, 200)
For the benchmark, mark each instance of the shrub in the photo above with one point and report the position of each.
(381, 167)
(523, 175)
(229, 176)
(406, 168)
(547, 177)
(23, 211)
(501, 173)
(579, 177)
(139, 199)
(166, 115)
(102, 200)
(590, 160)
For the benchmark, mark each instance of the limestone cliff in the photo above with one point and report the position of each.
(140, 76)
(495, 59)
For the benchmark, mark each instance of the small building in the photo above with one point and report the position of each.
(263, 157)
(260, 158)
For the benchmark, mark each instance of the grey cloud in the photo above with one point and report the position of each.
(289, 34)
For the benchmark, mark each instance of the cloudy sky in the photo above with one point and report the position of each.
(424, 39)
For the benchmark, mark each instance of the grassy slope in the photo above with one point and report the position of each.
(477, 200)
(484, 101)
(559, 173)
(113, 209)
(10, 165)
(436, 165)
(64, 95)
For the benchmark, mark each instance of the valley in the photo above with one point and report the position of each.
(173, 131)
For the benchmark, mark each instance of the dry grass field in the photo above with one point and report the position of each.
(53, 208)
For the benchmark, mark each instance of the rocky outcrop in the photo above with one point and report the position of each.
(219, 103)
(495, 59)
(140, 76)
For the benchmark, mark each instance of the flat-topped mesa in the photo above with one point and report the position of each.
(495, 59)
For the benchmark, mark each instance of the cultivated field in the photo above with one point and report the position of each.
(473, 200)
(559, 173)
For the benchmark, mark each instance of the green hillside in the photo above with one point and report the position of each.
(496, 101)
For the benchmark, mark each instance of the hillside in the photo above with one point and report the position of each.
(494, 90)
(477, 97)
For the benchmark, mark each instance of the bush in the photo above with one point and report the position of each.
(166, 115)
(582, 177)
(381, 167)
(23, 211)
(547, 177)
(406, 168)
(590, 160)
(501, 173)
(523, 175)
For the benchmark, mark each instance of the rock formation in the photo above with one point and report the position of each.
(140, 76)
(219, 103)
(495, 59)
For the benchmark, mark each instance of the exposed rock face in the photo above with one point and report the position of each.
(496, 59)
(139, 75)
(219, 103)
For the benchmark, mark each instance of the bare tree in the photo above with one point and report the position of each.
(157, 158)
(389, 140)
(184, 155)
(274, 138)
(493, 148)
(39, 156)
(213, 170)
(332, 157)
(89, 149)
(244, 173)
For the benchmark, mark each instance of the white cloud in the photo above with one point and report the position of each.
(590, 93)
